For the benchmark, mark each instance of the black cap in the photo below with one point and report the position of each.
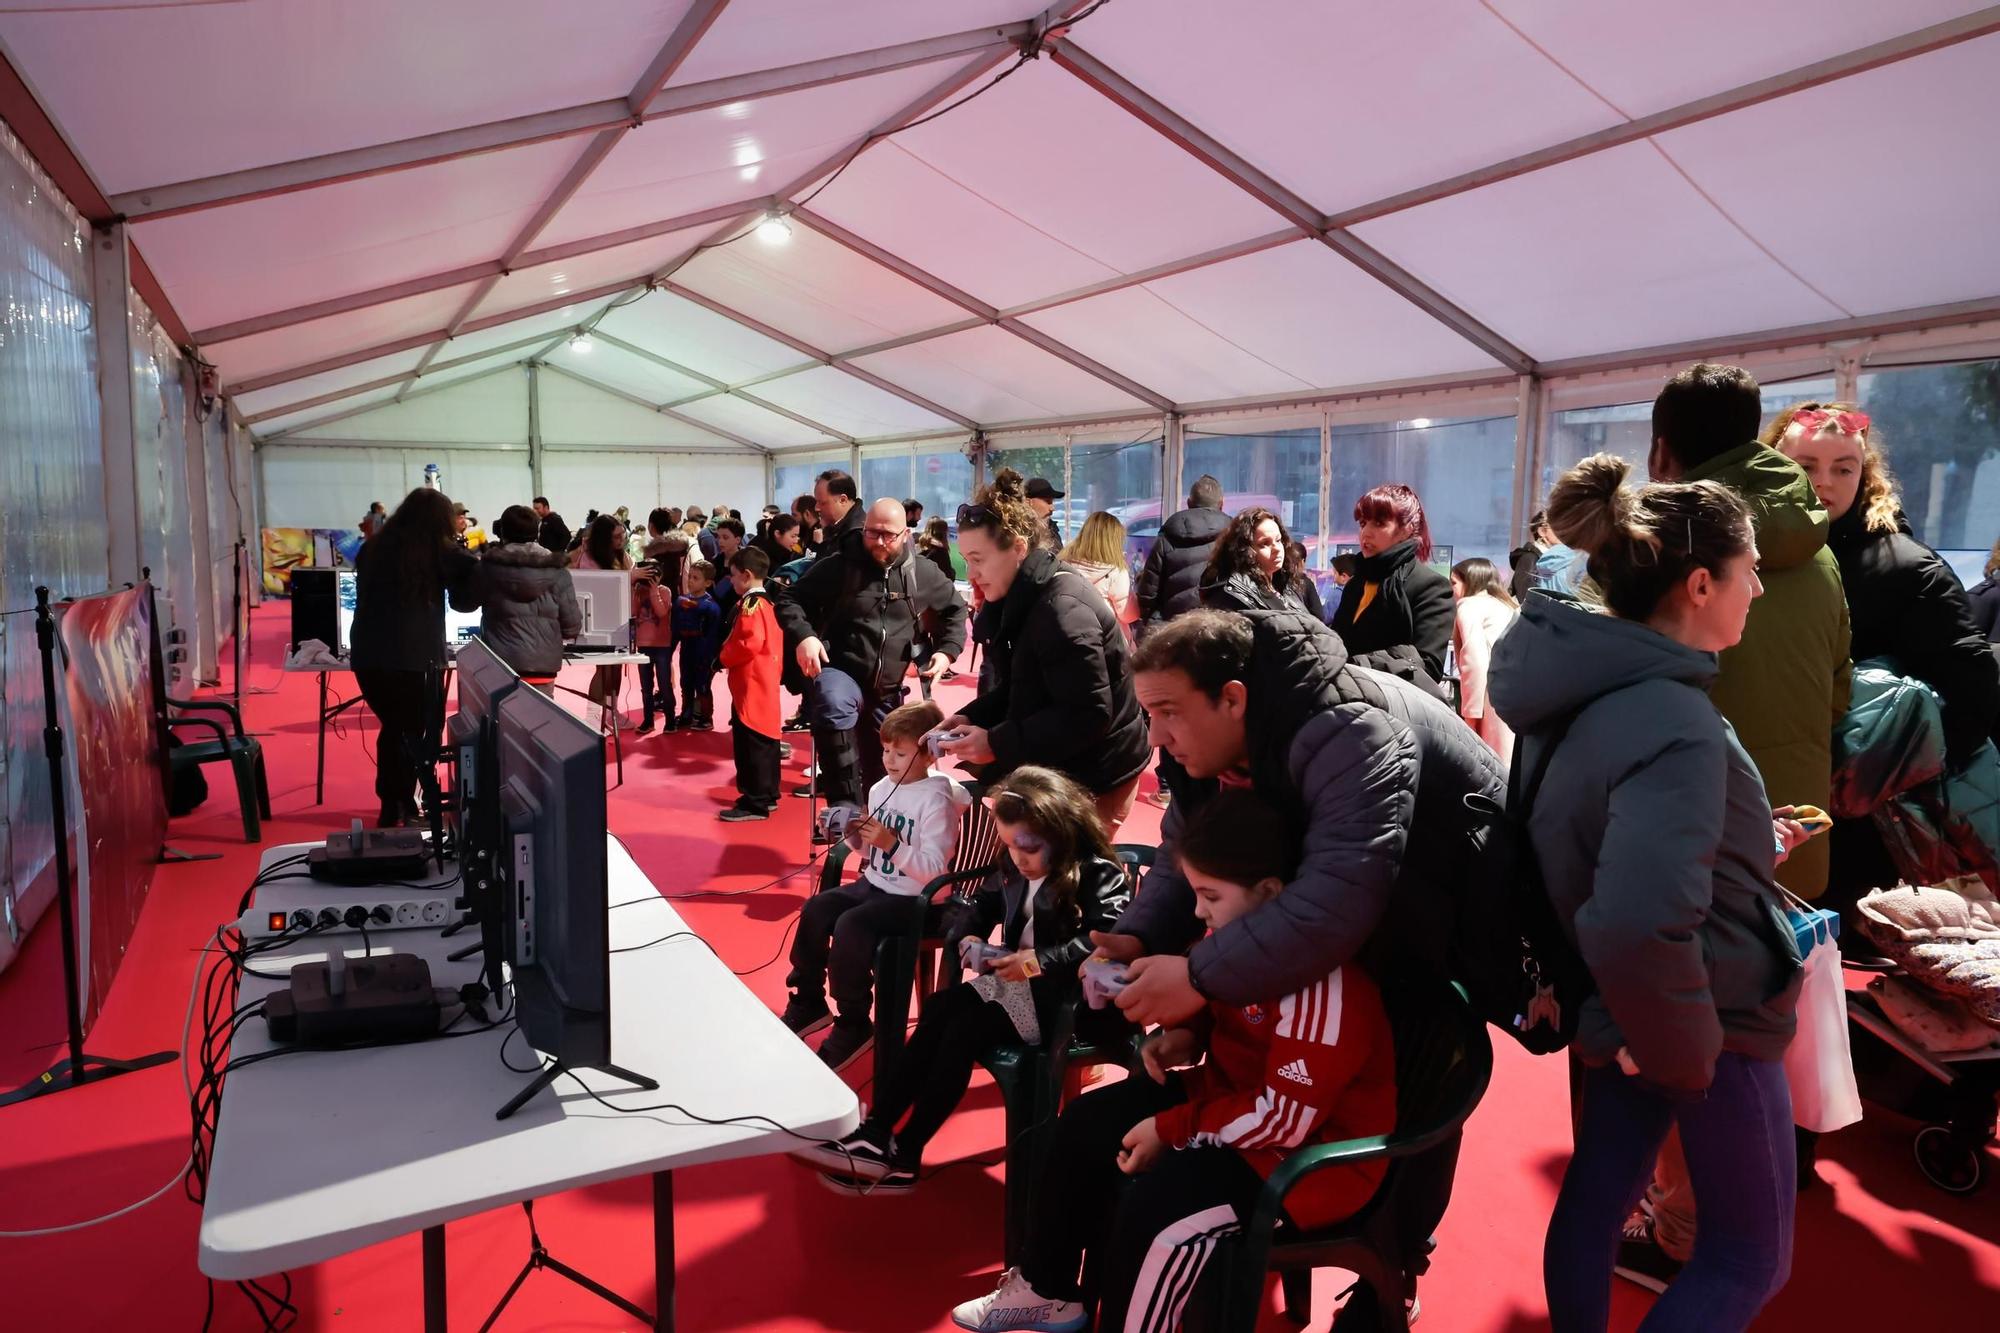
(1039, 489)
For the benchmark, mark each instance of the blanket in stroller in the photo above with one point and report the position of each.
(1945, 936)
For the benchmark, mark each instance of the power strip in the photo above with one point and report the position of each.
(280, 909)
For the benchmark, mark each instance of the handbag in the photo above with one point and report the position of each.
(1819, 1066)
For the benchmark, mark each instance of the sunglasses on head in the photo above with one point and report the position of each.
(1814, 420)
(977, 515)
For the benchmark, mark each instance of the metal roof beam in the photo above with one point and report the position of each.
(1239, 172)
(168, 199)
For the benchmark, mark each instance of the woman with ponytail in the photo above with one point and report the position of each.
(1657, 844)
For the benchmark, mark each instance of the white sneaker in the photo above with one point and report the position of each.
(1016, 1305)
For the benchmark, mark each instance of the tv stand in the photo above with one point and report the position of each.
(556, 1070)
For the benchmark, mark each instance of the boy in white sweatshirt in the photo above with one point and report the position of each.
(909, 835)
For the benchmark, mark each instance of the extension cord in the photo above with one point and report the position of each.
(281, 909)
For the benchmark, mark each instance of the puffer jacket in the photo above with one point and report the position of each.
(1784, 687)
(1170, 581)
(1241, 592)
(1371, 775)
(1412, 605)
(1984, 597)
(1062, 935)
(1061, 692)
(1653, 833)
(531, 608)
(1907, 605)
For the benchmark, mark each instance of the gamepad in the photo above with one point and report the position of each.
(981, 956)
(1103, 979)
(935, 741)
(837, 819)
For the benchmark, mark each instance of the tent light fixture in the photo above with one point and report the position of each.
(580, 343)
(774, 230)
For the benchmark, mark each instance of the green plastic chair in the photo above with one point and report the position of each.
(1444, 1060)
(243, 753)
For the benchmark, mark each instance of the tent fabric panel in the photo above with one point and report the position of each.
(1610, 251)
(850, 405)
(698, 338)
(331, 486)
(237, 72)
(303, 344)
(578, 482)
(622, 370)
(769, 34)
(1353, 100)
(225, 264)
(493, 410)
(1642, 62)
(1178, 356)
(264, 430)
(331, 381)
(548, 325)
(1095, 180)
(752, 422)
(577, 415)
(1305, 309)
(991, 376)
(817, 290)
(1920, 214)
(683, 164)
(635, 262)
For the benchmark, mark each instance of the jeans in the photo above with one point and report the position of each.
(839, 702)
(697, 687)
(1742, 1159)
(656, 680)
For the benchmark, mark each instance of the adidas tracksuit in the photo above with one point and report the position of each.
(1316, 1067)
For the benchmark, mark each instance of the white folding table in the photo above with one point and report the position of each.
(318, 1153)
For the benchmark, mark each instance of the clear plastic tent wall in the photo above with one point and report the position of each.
(52, 478)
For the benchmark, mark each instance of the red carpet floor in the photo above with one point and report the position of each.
(762, 1245)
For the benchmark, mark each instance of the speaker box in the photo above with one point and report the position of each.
(316, 607)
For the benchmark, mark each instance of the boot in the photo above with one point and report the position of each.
(839, 762)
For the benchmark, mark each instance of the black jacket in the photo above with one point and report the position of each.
(1522, 561)
(1371, 775)
(1985, 599)
(554, 534)
(1061, 692)
(1170, 581)
(1241, 592)
(1413, 605)
(1062, 937)
(836, 533)
(393, 630)
(871, 619)
(941, 557)
(531, 608)
(1905, 604)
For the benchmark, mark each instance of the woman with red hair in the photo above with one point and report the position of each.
(1397, 612)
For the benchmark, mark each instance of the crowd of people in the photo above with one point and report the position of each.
(1670, 662)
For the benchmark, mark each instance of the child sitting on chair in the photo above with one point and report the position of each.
(910, 834)
(1058, 881)
(1317, 1066)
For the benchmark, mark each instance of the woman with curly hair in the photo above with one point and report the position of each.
(1902, 598)
(1252, 567)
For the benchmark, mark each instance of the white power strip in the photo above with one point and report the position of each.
(280, 908)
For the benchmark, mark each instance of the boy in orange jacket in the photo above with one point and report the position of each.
(750, 656)
(1316, 1066)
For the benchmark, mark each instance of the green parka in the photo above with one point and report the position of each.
(1785, 685)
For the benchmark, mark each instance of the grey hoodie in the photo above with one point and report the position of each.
(1654, 836)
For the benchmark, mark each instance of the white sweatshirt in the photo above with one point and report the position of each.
(924, 816)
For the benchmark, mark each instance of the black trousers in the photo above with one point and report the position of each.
(838, 932)
(1149, 1236)
(930, 1080)
(757, 766)
(410, 707)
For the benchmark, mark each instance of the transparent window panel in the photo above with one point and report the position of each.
(944, 482)
(1940, 426)
(1461, 468)
(1121, 477)
(1277, 470)
(885, 476)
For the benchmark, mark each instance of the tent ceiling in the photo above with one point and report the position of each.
(1189, 203)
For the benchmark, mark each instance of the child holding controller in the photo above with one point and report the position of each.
(1058, 881)
(909, 834)
(1313, 1067)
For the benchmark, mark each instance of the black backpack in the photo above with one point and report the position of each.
(1509, 948)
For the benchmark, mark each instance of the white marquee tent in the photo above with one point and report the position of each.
(1178, 224)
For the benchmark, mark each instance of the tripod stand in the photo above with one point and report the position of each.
(540, 1258)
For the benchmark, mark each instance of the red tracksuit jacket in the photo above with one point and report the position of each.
(1316, 1067)
(750, 656)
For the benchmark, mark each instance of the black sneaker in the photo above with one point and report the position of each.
(847, 1043)
(797, 723)
(858, 1157)
(897, 1180)
(805, 791)
(645, 725)
(737, 814)
(803, 1014)
(784, 751)
(668, 726)
(1641, 1261)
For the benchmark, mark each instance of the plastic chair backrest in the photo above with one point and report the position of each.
(978, 835)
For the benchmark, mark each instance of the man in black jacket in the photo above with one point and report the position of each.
(839, 505)
(554, 533)
(854, 623)
(1170, 582)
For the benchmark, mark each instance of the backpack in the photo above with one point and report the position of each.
(1509, 950)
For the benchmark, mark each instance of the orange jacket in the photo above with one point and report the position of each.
(751, 655)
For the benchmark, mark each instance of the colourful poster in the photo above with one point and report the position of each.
(287, 549)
